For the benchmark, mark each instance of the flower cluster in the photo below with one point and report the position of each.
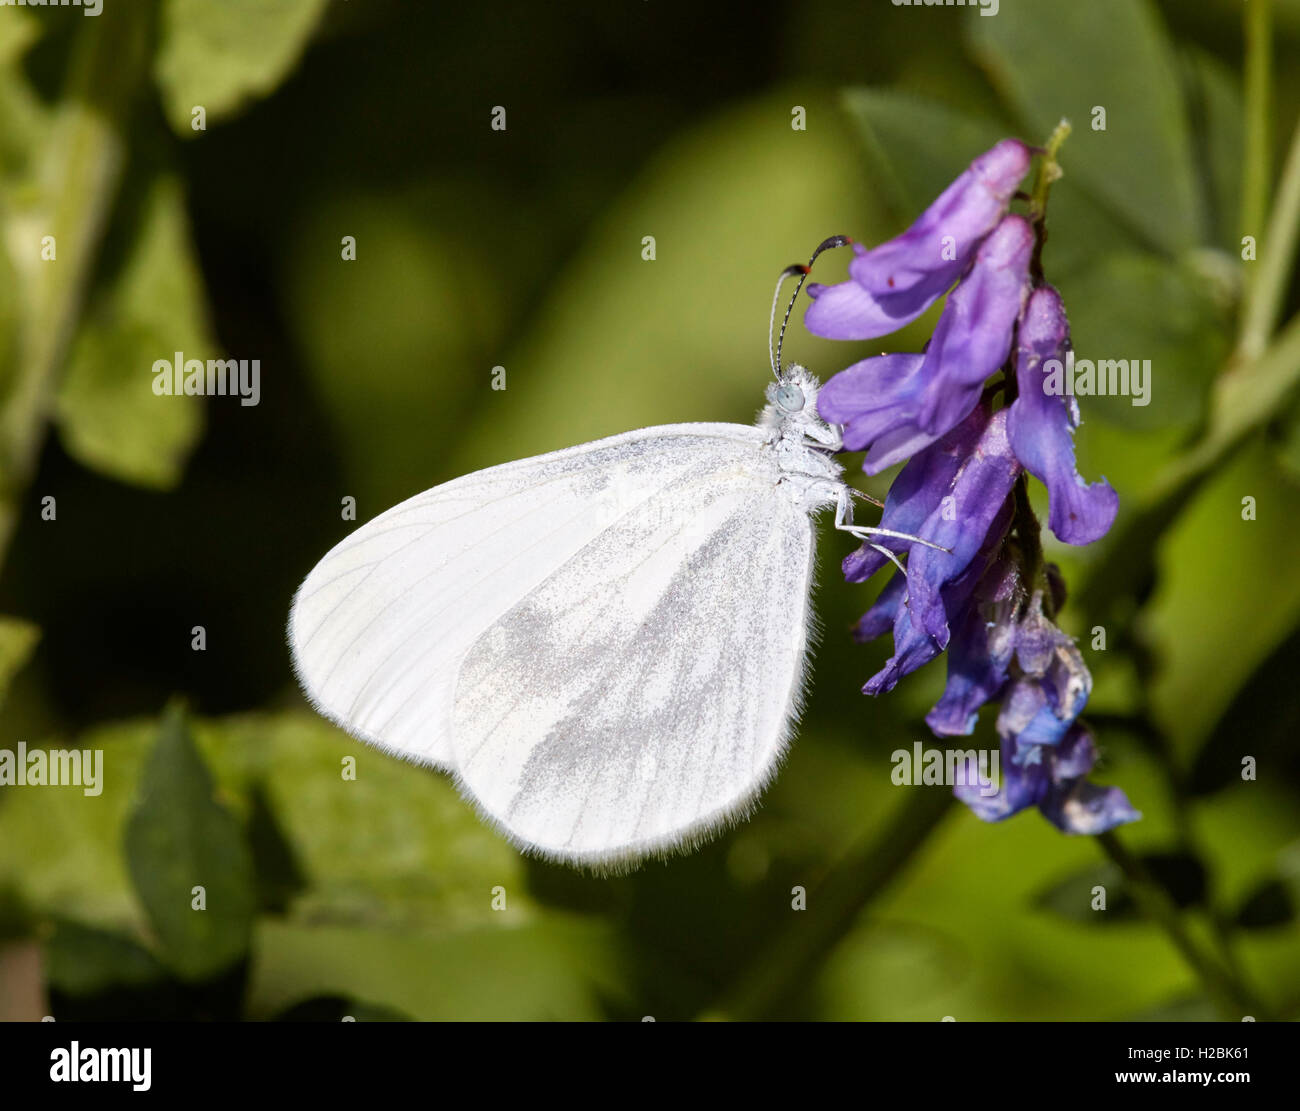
(983, 594)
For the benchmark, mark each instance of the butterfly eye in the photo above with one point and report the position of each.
(790, 398)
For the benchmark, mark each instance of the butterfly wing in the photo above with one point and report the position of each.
(643, 693)
(381, 626)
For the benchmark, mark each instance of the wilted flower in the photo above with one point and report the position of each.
(1008, 649)
(1054, 783)
(980, 652)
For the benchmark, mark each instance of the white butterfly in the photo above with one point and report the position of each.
(606, 646)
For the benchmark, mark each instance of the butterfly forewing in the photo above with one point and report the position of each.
(381, 626)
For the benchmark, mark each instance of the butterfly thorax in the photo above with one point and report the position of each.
(804, 443)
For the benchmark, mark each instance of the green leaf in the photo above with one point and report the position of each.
(222, 54)
(1182, 876)
(178, 837)
(379, 841)
(416, 296)
(621, 342)
(1138, 308)
(1218, 144)
(60, 850)
(392, 858)
(1058, 58)
(83, 960)
(108, 416)
(1072, 896)
(552, 970)
(18, 30)
(339, 1008)
(394, 846)
(1262, 723)
(898, 130)
(17, 640)
(1268, 906)
(275, 864)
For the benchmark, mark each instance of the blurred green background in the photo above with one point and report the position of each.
(523, 248)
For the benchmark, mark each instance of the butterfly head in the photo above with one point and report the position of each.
(793, 393)
(791, 411)
(792, 408)
(789, 397)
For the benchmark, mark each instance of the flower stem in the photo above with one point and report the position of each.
(1230, 993)
(1245, 396)
(1049, 170)
(1258, 65)
(1265, 294)
(77, 176)
(1033, 567)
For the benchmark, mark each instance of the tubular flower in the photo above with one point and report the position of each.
(971, 588)
(894, 283)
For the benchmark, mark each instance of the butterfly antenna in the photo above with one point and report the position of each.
(789, 271)
(772, 348)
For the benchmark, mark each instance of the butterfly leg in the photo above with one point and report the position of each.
(844, 522)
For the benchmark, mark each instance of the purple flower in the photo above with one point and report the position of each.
(899, 404)
(1031, 718)
(1010, 650)
(980, 652)
(962, 524)
(1086, 808)
(894, 283)
(918, 492)
(973, 336)
(1049, 684)
(966, 587)
(880, 618)
(913, 645)
(1054, 783)
(913, 649)
(1041, 427)
(1050, 663)
(954, 494)
(877, 401)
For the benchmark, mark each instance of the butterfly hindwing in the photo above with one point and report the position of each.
(643, 693)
